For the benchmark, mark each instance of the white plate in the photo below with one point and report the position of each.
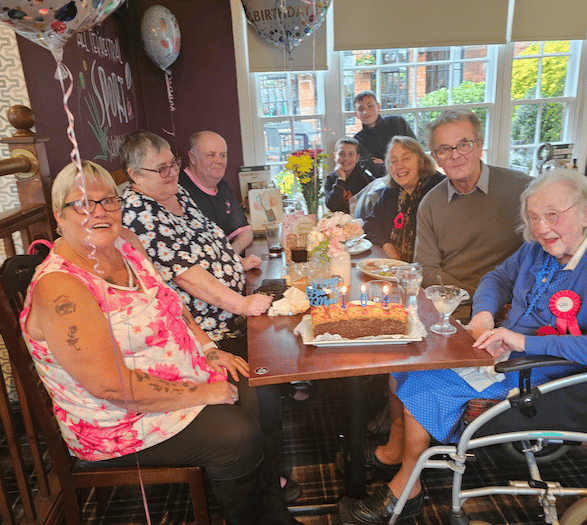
(359, 247)
(304, 329)
(374, 267)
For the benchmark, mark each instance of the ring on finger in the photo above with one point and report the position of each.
(492, 331)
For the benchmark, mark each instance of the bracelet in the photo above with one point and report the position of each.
(209, 345)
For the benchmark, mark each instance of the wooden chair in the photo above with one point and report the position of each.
(52, 504)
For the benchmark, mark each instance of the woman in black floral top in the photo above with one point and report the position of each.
(197, 260)
(392, 223)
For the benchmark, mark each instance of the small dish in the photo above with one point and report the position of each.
(380, 268)
(359, 247)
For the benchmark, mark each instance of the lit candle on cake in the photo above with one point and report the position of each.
(385, 297)
(363, 295)
(343, 293)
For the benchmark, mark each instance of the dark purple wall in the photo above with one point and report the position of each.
(203, 80)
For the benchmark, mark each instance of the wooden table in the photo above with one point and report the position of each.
(276, 355)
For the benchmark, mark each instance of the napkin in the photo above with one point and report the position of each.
(480, 377)
(294, 302)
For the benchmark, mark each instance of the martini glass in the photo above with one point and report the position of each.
(445, 299)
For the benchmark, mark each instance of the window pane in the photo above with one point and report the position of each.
(278, 138)
(475, 52)
(359, 58)
(304, 85)
(352, 125)
(273, 93)
(554, 73)
(395, 85)
(521, 48)
(551, 127)
(521, 159)
(524, 124)
(524, 77)
(394, 56)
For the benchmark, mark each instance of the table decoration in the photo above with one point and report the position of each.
(326, 243)
(307, 166)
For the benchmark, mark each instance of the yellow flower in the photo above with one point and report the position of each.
(305, 164)
(305, 180)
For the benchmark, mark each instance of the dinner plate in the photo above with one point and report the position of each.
(359, 247)
(377, 268)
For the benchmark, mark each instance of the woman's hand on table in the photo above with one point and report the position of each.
(501, 340)
(254, 305)
(234, 364)
(252, 261)
(480, 322)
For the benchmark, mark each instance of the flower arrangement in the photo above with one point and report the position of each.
(306, 165)
(327, 239)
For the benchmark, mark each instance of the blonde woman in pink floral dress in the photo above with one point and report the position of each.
(131, 375)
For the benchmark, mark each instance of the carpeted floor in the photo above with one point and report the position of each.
(311, 441)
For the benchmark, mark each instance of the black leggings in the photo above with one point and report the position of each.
(265, 402)
(225, 439)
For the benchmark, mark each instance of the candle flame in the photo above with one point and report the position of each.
(363, 288)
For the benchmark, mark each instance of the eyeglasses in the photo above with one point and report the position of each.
(463, 148)
(165, 171)
(550, 219)
(83, 205)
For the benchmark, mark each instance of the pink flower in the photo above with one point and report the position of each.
(165, 371)
(160, 334)
(399, 221)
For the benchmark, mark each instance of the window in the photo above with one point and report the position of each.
(417, 78)
(543, 91)
(525, 94)
(291, 109)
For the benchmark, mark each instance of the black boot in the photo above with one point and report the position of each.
(241, 500)
(276, 508)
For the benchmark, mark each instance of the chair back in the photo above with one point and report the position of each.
(36, 406)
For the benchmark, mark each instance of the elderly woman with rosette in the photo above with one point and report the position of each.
(197, 261)
(392, 223)
(132, 377)
(545, 282)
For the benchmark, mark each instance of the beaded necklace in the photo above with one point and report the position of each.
(544, 276)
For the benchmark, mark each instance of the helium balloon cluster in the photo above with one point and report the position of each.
(161, 36)
(51, 23)
(285, 23)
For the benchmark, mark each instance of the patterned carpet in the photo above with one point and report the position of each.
(311, 440)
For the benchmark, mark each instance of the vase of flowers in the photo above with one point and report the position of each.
(327, 243)
(306, 166)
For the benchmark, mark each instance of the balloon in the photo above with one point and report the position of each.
(51, 23)
(161, 36)
(285, 23)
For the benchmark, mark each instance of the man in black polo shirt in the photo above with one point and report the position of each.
(376, 133)
(204, 180)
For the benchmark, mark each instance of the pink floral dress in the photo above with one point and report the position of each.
(146, 323)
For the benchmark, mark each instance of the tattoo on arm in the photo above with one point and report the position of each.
(72, 340)
(64, 305)
(212, 356)
(177, 388)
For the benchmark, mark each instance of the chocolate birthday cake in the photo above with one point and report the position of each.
(359, 321)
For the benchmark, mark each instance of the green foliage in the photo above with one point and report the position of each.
(554, 70)
(366, 60)
(465, 93)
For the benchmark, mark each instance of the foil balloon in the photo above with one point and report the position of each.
(51, 23)
(285, 23)
(161, 36)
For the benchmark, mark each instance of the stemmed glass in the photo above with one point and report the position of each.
(445, 300)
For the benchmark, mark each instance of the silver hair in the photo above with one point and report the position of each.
(135, 147)
(574, 182)
(453, 115)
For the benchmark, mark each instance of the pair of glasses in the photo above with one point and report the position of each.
(550, 219)
(463, 148)
(165, 171)
(83, 205)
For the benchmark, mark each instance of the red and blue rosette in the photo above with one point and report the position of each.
(565, 305)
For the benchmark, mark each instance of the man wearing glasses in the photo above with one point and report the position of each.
(467, 224)
(204, 181)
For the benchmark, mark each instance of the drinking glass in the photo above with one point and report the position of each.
(409, 279)
(445, 299)
(273, 231)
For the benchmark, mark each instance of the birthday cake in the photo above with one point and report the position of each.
(359, 321)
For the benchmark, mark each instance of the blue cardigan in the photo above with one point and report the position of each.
(512, 282)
